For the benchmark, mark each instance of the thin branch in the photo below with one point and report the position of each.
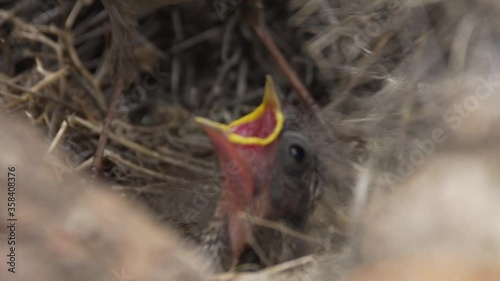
(57, 139)
(139, 148)
(297, 269)
(255, 20)
(115, 157)
(258, 26)
(50, 78)
(103, 138)
(77, 63)
(40, 95)
(280, 227)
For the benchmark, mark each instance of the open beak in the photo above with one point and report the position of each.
(260, 127)
(242, 146)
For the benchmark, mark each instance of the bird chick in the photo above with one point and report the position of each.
(270, 174)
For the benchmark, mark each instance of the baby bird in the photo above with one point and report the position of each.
(270, 174)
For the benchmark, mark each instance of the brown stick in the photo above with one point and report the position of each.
(103, 138)
(256, 22)
(258, 26)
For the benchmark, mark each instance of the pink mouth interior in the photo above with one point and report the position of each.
(261, 128)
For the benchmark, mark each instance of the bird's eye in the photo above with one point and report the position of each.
(297, 152)
(296, 155)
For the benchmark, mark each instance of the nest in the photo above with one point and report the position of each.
(365, 63)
